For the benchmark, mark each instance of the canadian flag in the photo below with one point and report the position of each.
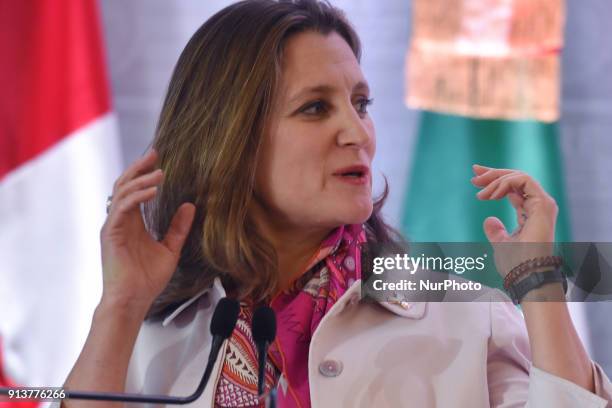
(59, 156)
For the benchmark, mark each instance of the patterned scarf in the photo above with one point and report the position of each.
(330, 272)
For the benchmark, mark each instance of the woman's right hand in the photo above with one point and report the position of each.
(136, 267)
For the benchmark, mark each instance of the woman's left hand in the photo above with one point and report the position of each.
(536, 213)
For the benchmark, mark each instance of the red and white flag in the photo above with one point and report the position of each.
(59, 156)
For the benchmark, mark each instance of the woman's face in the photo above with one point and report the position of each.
(315, 163)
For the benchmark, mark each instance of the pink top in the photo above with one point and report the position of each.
(331, 270)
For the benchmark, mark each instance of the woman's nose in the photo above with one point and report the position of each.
(354, 131)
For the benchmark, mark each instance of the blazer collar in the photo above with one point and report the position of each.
(403, 308)
(410, 310)
(216, 290)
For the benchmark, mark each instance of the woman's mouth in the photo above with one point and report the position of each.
(356, 175)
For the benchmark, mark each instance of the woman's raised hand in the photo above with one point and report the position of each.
(536, 213)
(136, 267)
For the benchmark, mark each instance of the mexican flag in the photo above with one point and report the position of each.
(59, 156)
(441, 203)
(486, 75)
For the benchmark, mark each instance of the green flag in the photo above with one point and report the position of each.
(488, 87)
(441, 203)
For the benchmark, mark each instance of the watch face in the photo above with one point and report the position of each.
(533, 281)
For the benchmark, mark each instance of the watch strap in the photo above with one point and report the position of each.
(534, 280)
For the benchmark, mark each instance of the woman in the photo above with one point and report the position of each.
(259, 188)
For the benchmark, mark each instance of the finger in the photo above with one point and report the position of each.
(519, 182)
(140, 166)
(523, 184)
(495, 230)
(127, 208)
(505, 185)
(479, 169)
(179, 228)
(139, 183)
(493, 187)
(131, 202)
(484, 178)
(538, 201)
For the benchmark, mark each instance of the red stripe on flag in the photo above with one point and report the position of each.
(52, 75)
(4, 382)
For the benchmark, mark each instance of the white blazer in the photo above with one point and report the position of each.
(421, 354)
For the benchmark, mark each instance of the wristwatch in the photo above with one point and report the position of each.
(534, 280)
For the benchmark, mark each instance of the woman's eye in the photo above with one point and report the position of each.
(315, 108)
(363, 105)
(318, 108)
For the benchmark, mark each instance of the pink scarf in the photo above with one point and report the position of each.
(299, 310)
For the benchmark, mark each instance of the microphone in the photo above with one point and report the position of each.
(221, 327)
(264, 332)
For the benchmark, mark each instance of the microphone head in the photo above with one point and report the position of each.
(224, 318)
(264, 325)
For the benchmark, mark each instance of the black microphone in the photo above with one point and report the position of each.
(264, 332)
(221, 327)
